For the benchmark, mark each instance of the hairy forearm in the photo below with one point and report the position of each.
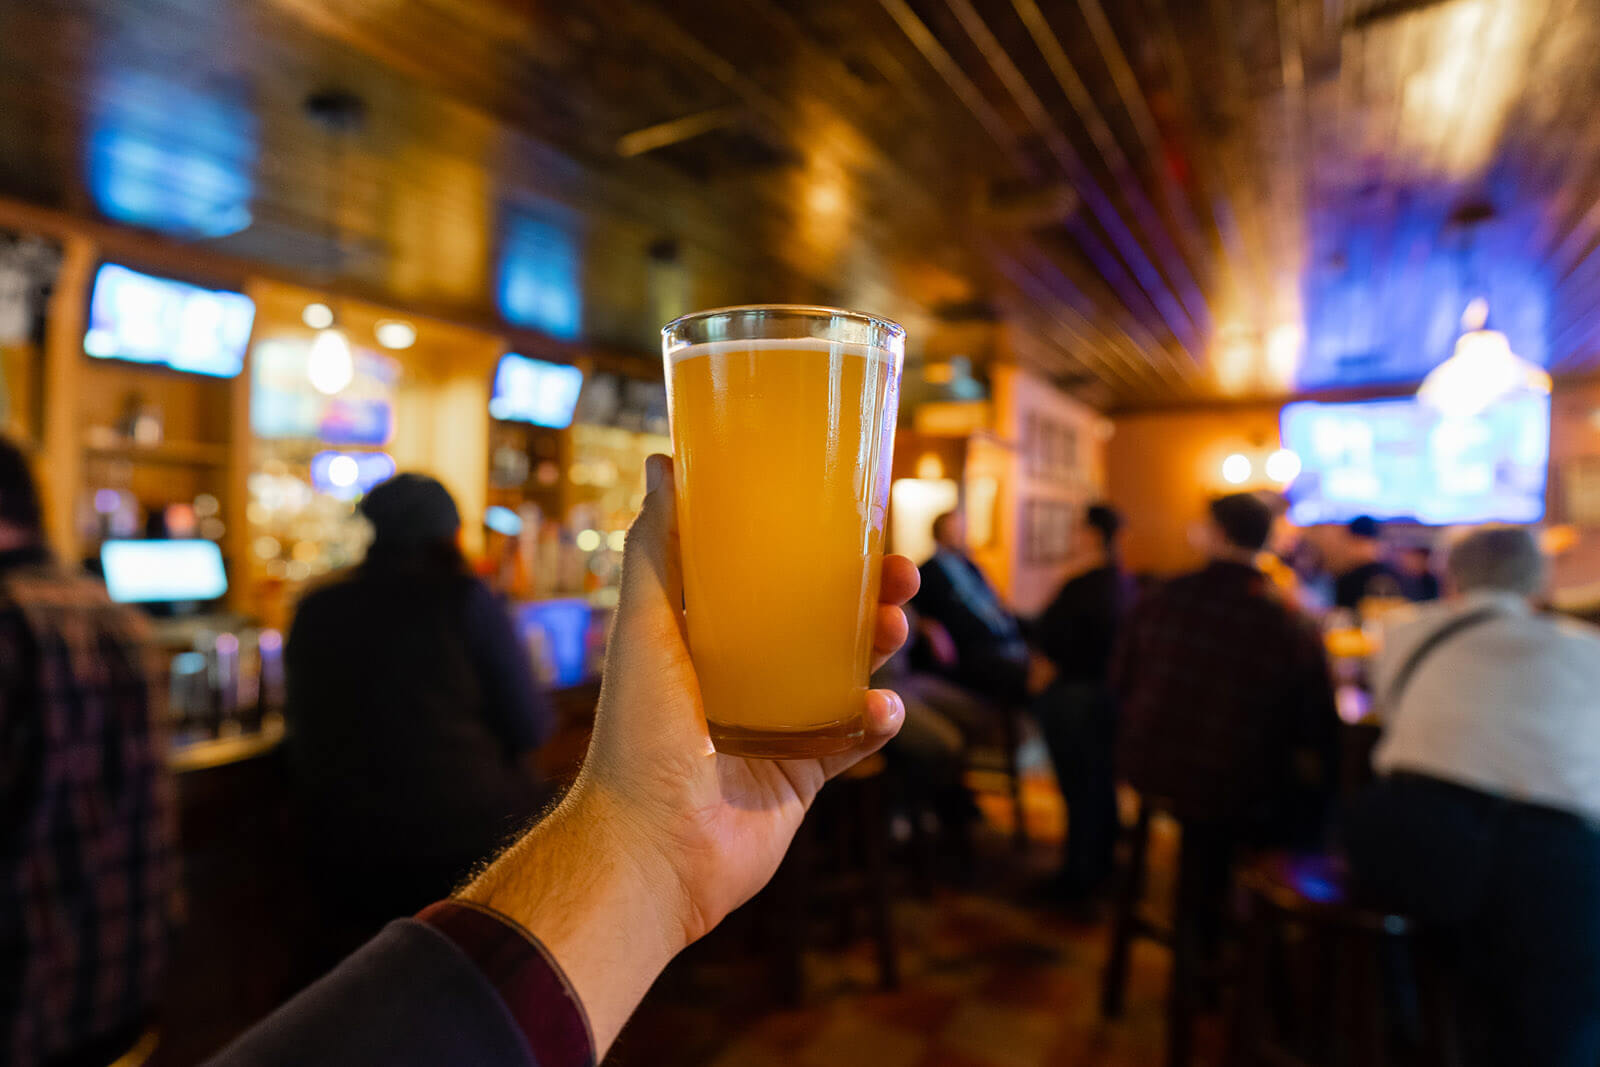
(609, 917)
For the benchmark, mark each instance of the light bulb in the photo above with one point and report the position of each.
(343, 471)
(317, 316)
(1236, 469)
(1283, 466)
(328, 364)
(393, 333)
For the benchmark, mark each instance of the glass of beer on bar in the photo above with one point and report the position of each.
(783, 424)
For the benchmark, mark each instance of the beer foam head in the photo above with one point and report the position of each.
(774, 344)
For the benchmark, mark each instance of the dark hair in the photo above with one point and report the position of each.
(1365, 527)
(19, 496)
(1104, 520)
(940, 522)
(1244, 520)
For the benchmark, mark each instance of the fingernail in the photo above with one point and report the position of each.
(652, 473)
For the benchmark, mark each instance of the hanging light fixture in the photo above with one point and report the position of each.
(1482, 370)
(330, 365)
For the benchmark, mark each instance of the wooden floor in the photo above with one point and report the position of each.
(991, 977)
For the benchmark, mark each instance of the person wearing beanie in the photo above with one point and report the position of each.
(1365, 572)
(412, 713)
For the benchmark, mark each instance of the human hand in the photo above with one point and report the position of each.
(719, 824)
(661, 836)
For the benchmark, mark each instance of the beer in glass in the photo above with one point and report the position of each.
(783, 424)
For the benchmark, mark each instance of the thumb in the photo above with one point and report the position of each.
(651, 602)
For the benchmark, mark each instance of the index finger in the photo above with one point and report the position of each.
(900, 580)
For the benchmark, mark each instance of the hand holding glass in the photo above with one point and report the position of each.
(783, 424)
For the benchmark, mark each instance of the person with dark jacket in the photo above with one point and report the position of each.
(1366, 573)
(1226, 709)
(540, 959)
(990, 656)
(1077, 713)
(412, 711)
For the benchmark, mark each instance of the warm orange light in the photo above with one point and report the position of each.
(929, 467)
(1558, 539)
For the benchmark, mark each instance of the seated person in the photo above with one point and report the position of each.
(1364, 573)
(412, 712)
(1226, 707)
(1486, 823)
(928, 755)
(1417, 579)
(990, 655)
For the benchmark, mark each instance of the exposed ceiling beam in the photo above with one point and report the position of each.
(676, 131)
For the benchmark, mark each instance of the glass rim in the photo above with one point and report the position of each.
(891, 328)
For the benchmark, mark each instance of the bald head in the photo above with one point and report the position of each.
(1497, 559)
(950, 531)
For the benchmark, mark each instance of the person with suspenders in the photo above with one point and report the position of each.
(1484, 824)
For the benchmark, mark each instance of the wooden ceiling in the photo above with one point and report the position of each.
(1160, 200)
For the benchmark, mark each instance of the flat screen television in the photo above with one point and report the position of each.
(163, 572)
(145, 319)
(1399, 459)
(531, 390)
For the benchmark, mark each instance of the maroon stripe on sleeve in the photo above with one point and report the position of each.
(534, 989)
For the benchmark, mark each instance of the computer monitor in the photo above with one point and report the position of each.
(163, 572)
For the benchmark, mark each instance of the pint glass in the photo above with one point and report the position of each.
(782, 434)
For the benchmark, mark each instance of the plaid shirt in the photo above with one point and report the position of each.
(1227, 706)
(88, 866)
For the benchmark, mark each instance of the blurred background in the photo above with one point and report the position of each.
(258, 255)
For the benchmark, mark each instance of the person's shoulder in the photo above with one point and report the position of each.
(1577, 634)
(331, 593)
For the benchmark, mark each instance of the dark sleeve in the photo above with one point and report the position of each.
(20, 735)
(1057, 628)
(419, 995)
(1317, 713)
(518, 712)
(1125, 653)
(933, 595)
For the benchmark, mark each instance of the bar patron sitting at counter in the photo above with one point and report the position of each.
(972, 533)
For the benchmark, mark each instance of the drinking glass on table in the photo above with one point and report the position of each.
(782, 434)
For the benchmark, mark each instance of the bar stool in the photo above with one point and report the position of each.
(1299, 911)
(1003, 757)
(840, 859)
(1192, 974)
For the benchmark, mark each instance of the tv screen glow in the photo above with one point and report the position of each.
(145, 319)
(1399, 459)
(157, 572)
(531, 390)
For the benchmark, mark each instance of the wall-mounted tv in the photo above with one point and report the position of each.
(531, 390)
(1399, 459)
(145, 319)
